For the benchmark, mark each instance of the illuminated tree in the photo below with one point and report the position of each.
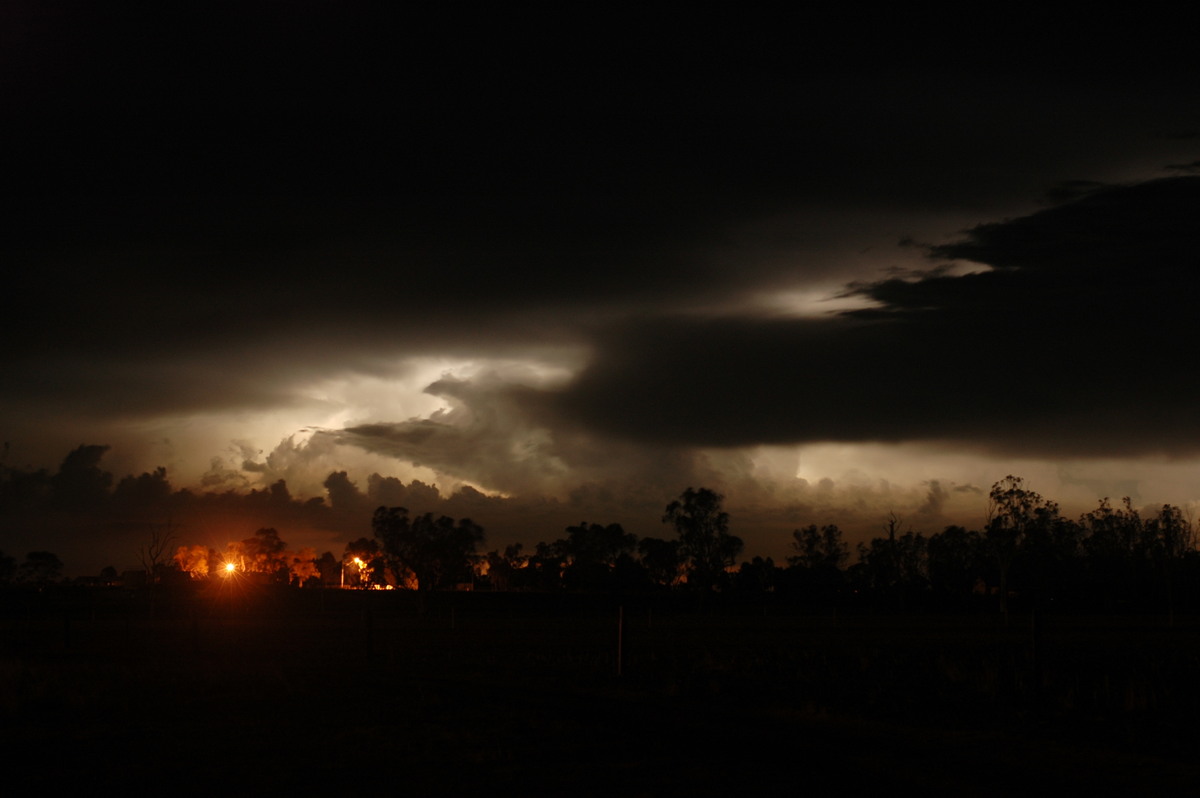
(194, 560)
(362, 563)
(262, 553)
(265, 553)
(302, 565)
(704, 538)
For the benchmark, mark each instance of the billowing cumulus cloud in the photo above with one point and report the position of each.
(504, 436)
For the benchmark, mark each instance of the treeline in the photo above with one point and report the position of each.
(1026, 554)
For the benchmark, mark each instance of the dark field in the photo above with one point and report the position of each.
(253, 691)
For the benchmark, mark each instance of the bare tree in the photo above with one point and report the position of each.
(154, 554)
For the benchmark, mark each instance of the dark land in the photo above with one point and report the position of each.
(241, 689)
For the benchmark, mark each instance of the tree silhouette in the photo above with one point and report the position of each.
(592, 552)
(153, 554)
(895, 567)
(819, 549)
(329, 568)
(598, 544)
(438, 551)
(546, 566)
(1112, 537)
(265, 553)
(814, 572)
(1014, 513)
(756, 576)
(1173, 538)
(704, 538)
(954, 562)
(40, 568)
(505, 569)
(662, 560)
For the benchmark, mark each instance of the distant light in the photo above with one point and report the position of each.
(230, 567)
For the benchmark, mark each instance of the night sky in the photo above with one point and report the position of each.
(564, 268)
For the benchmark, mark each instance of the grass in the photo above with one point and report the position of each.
(358, 691)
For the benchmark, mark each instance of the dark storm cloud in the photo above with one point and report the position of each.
(207, 212)
(1075, 342)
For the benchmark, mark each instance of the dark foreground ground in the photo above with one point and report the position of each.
(253, 691)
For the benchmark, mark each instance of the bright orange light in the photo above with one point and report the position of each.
(230, 567)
